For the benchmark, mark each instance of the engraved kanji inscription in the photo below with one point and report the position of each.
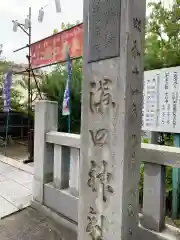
(132, 161)
(134, 140)
(101, 96)
(135, 92)
(105, 178)
(104, 29)
(134, 110)
(95, 227)
(92, 177)
(102, 178)
(130, 231)
(133, 154)
(99, 137)
(135, 71)
(137, 24)
(130, 210)
(135, 52)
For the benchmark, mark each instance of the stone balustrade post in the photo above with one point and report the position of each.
(46, 119)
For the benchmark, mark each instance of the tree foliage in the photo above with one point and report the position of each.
(162, 45)
(55, 31)
(53, 88)
(34, 94)
(65, 26)
(68, 25)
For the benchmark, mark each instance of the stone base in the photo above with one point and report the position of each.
(61, 201)
(54, 216)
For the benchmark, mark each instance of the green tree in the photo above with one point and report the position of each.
(162, 44)
(55, 31)
(34, 94)
(53, 87)
(65, 26)
(68, 25)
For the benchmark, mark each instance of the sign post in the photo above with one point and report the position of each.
(111, 119)
(175, 183)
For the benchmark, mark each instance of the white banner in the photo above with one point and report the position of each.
(161, 111)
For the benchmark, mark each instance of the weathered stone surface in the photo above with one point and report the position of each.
(46, 120)
(111, 126)
(154, 193)
(154, 197)
(104, 28)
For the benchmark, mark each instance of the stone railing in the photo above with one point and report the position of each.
(57, 157)
(156, 158)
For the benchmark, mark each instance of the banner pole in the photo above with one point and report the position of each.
(69, 116)
(6, 136)
(69, 88)
(69, 123)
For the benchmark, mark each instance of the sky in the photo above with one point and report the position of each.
(72, 10)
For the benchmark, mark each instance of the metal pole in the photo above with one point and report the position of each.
(6, 137)
(69, 116)
(29, 89)
(39, 91)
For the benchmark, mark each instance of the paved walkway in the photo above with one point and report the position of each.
(15, 189)
(29, 224)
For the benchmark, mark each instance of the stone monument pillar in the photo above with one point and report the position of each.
(111, 119)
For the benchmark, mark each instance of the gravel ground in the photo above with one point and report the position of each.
(16, 151)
